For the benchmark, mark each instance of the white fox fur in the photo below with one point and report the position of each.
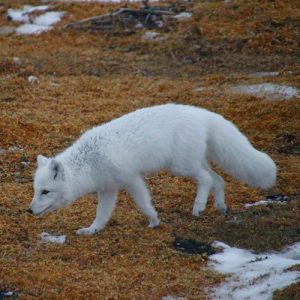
(179, 138)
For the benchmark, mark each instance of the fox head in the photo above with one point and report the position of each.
(50, 187)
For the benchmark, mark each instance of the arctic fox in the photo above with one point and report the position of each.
(179, 138)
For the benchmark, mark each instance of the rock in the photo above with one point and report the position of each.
(17, 60)
(24, 163)
(187, 61)
(191, 246)
(183, 16)
(48, 238)
(152, 36)
(269, 91)
(264, 74)
(8, 294)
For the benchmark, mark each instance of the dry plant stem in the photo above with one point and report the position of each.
(110, 17)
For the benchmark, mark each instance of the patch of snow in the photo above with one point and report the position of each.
(253, 276)
(264, 74)
(32, 79)
(49, 18)
(218, 244)
(48, 238)
(268, 90)
(32, 29)
(34, 25)
(183, 16)
(22, 15)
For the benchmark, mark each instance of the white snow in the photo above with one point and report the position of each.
(22, 15)
(49, 18)
(253, 276)
(31, 29)
(34, 24)
(32, 79)
(269, 91)
(48, 238)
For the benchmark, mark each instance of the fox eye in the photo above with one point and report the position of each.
(45, 192)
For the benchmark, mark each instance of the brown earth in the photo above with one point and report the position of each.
(87, 78)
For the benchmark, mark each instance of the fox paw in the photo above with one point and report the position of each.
(154, 223)
(87, 231)
(225, 212)
(197, 213)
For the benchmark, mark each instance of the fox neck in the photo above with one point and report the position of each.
(79, 182)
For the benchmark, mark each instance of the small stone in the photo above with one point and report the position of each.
(32, 79)
(270, 91)
(139, 25)
(24, 163)
(183, 16)
(17, 60)
(264, 74)
(152, 36)
(187, 61)
(48, 238)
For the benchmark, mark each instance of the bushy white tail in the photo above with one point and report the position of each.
(230, 149)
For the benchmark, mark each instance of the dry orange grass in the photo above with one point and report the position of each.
(87, 78)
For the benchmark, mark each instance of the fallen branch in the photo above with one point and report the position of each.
(149, 18)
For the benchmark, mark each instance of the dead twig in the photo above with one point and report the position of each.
(125, 16)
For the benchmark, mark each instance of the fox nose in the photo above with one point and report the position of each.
(29, 210)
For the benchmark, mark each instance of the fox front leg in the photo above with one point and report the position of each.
(106, 204)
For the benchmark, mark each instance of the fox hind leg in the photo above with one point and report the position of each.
(205, 183)
(218, 192)
(208, 181)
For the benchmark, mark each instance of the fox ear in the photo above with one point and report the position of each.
(42, 160)
(57, 169)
